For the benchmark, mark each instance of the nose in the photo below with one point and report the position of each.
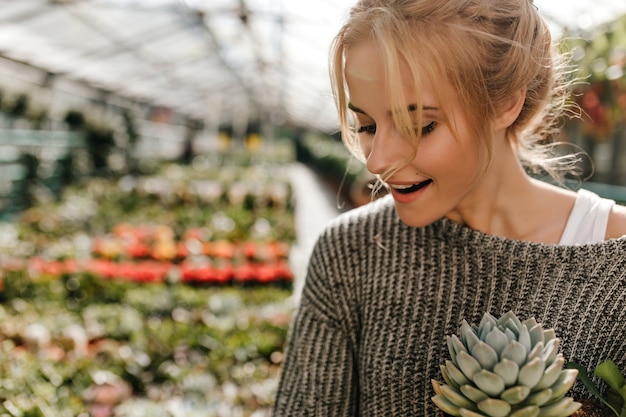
(386, 150)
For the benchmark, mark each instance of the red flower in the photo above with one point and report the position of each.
(246, 272)
(138, 249)
(198, 273)
(250, 249)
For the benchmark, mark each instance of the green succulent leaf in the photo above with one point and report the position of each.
(530, 411)
(457, 345)
(536, 333)
(524, 338)
(436, 386)
(494, 407)
(530, 374)
(510, 335)
(516, 352)
(489, 382)
(456, 397)
(551, 374)
(564, 407)
(515, 395)
(455, 374)
(510, 321)
(551, 350)
(446, 376)
(539, 398)
(536, 351)
(563, 383)
(530, 323)
(451, 348)
(508, 371)
(497, 340)
(468, 336)
(487, 324)
(470, 413)
(467, 364)
(446, 405)
(473, 393)
(548, 334)
(485, 355)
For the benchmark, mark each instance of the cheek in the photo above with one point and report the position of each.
(443, 155)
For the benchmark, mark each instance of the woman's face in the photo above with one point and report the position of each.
(446, 171)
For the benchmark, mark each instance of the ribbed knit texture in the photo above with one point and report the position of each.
(380, 297)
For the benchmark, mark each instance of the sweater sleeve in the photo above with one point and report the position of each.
(318, 376)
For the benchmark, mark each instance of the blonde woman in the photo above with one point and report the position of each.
(450, 105)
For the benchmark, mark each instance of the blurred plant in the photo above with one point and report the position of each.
(18, 106)
(335, 165)
(74, 119)
(600, 61)
(99, 265)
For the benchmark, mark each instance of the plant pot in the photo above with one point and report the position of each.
(591, 408)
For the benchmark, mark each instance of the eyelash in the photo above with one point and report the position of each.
(371, 129)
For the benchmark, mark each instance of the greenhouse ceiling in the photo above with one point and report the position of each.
(220, 59)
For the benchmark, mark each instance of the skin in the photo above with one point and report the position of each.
(493, 196)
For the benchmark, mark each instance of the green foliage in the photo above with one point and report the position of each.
(65, 335)
(615, 394)
(599, 60)
(19, 106)
(153, 337)
(75, 119)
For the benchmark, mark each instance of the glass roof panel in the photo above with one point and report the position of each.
(262, 56)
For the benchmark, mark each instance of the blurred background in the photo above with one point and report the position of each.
(165, 166)
(171, 79)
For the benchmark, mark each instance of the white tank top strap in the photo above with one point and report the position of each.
(588, 220)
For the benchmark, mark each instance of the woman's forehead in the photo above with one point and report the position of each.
(364, 61)
(365, 69)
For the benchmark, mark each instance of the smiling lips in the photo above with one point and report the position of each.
(408, 189)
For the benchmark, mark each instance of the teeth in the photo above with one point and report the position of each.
(401, 187)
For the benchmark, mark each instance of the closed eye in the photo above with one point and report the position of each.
(428, 129)
(369, 129)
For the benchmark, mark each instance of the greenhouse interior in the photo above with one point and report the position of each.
(166, 166)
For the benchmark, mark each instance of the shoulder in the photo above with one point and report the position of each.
(358, 234)
(616, 226)
(364, 217)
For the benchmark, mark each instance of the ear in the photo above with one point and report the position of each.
(510, 109)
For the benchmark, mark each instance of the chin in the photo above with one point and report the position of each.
(413, 219)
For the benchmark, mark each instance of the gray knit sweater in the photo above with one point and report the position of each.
(380, 297)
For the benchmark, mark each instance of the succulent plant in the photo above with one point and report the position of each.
(505, 367)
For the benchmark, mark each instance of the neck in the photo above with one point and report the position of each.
(509, 203)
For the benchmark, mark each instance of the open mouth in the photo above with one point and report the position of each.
(408, 189)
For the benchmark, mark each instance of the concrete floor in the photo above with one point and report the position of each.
(315, 206)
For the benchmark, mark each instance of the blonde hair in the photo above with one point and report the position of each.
(483, 51)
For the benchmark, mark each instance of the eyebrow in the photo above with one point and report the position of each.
(410, 108)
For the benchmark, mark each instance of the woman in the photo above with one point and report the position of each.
(449, 103)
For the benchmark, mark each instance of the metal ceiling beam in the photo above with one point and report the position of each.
(140, 39)
(36, 11)
(212, 38)
(125, 45)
